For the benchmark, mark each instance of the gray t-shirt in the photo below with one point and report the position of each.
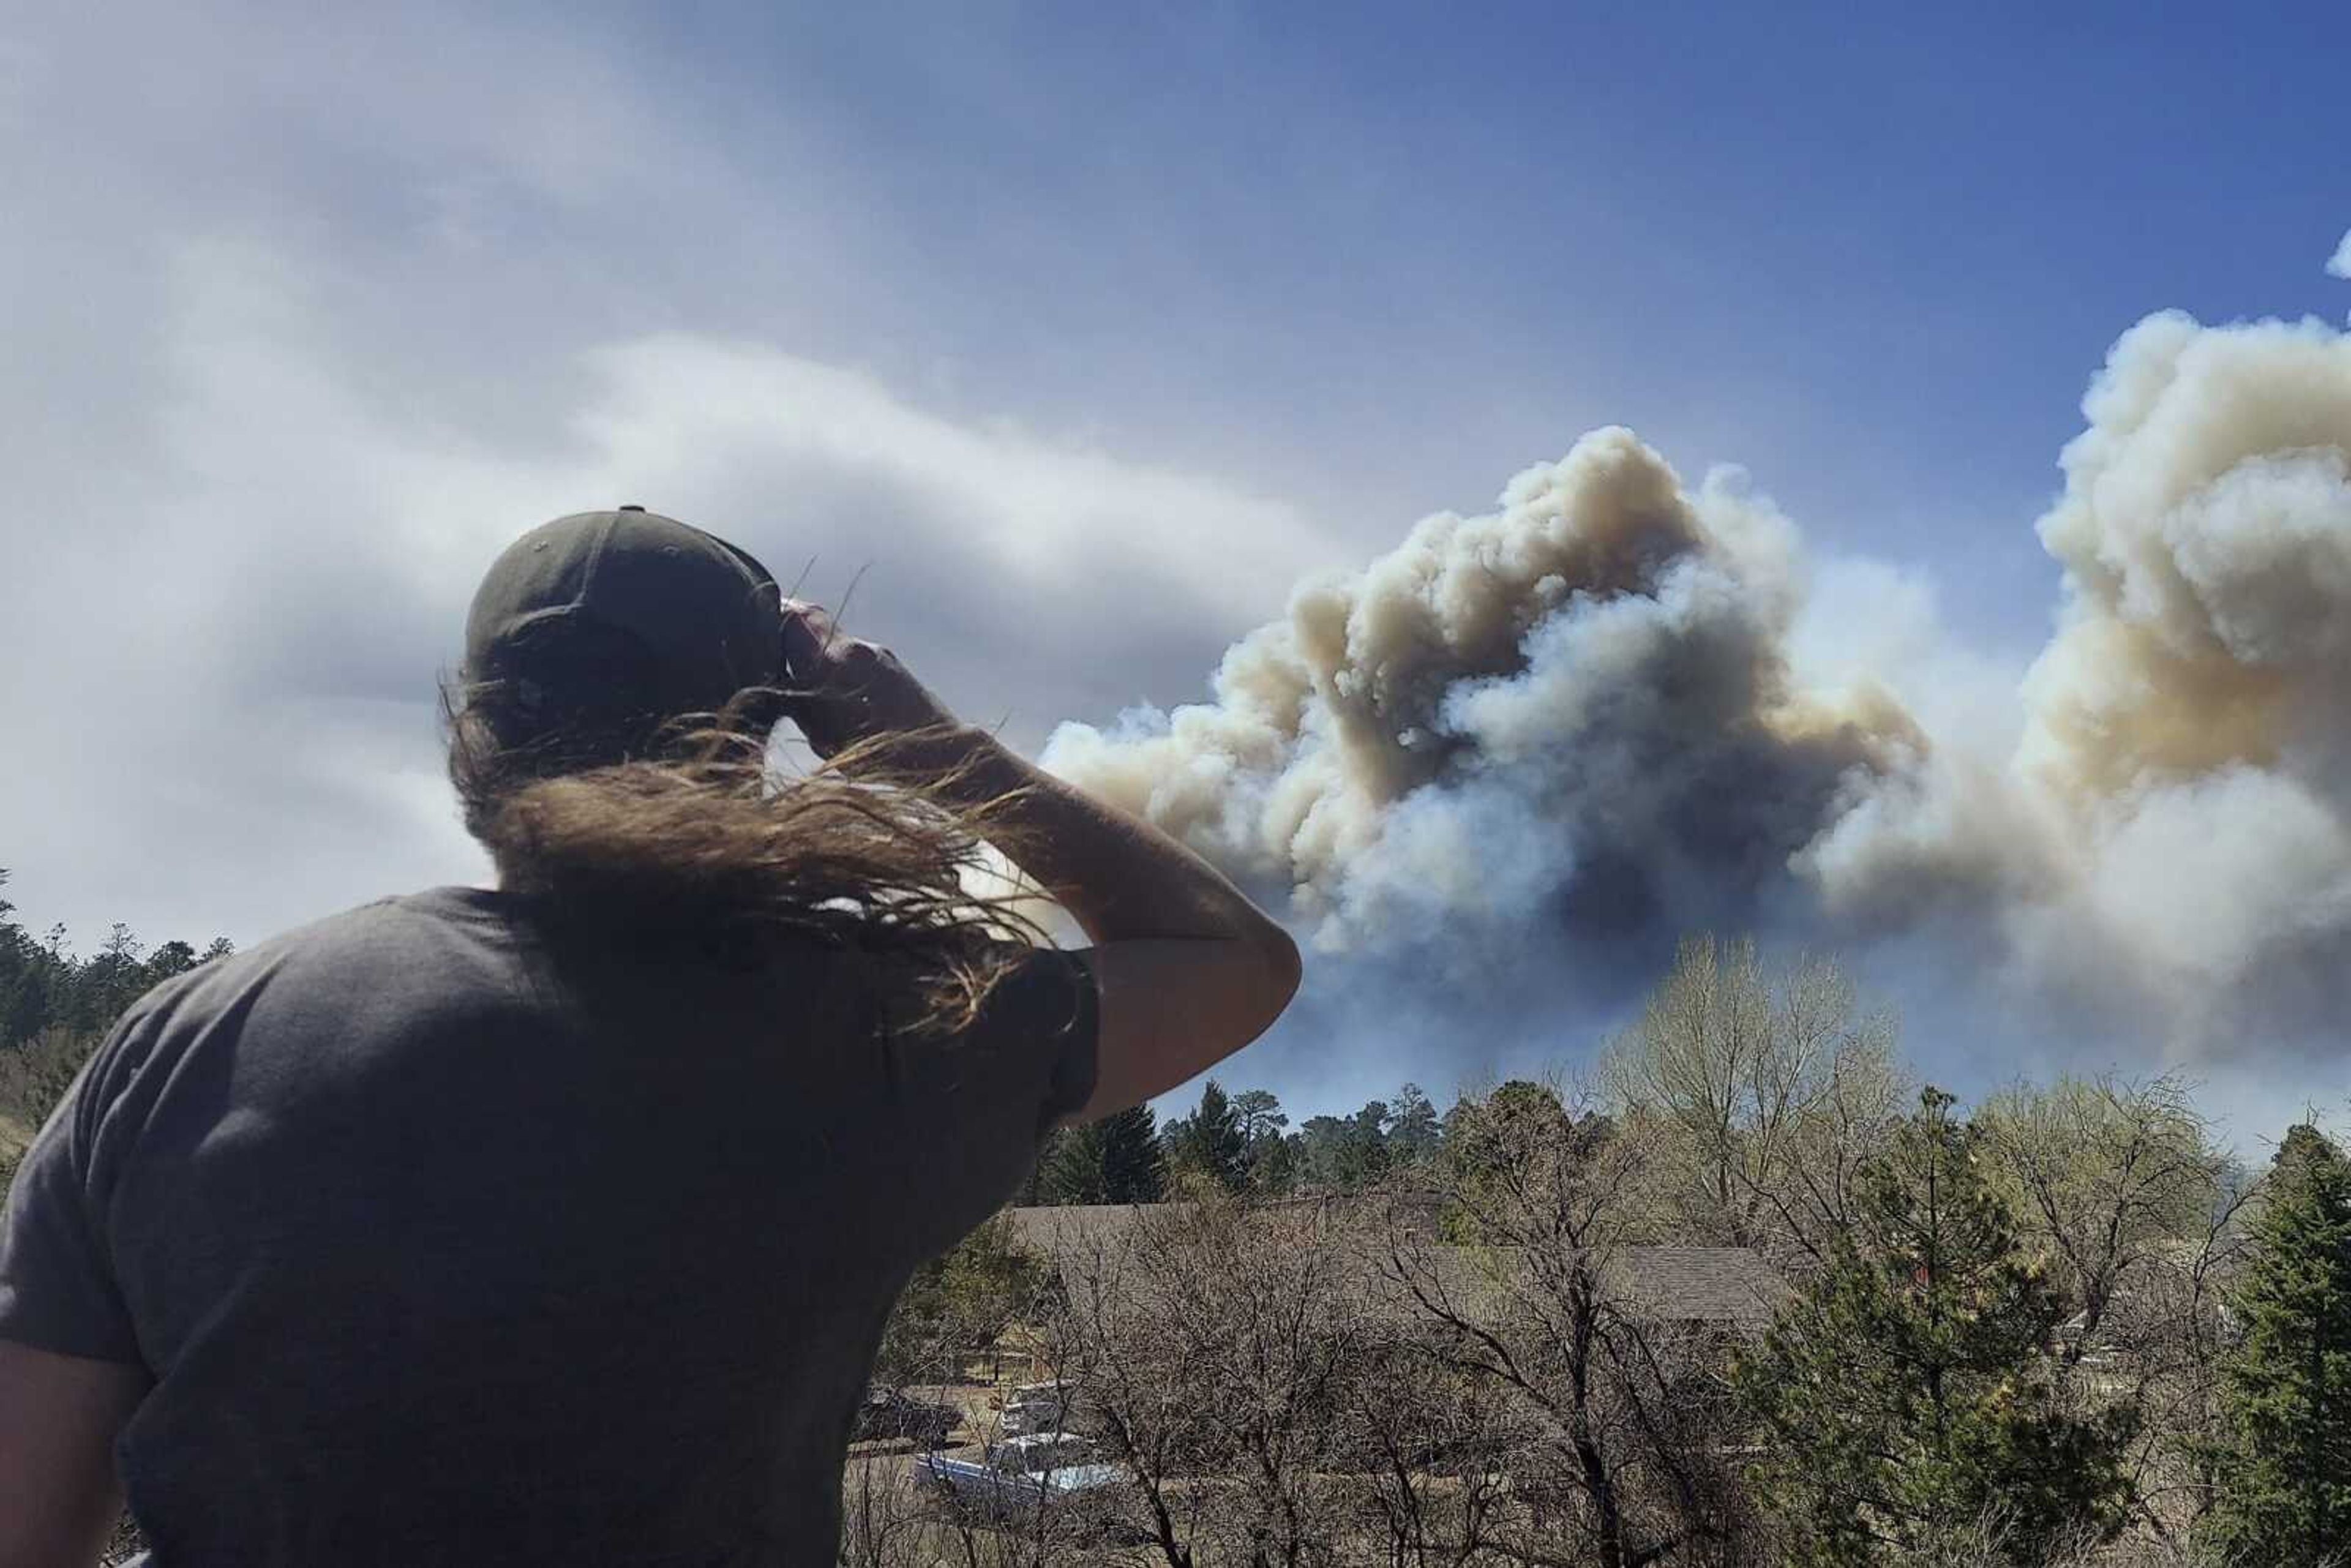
(442, 1250)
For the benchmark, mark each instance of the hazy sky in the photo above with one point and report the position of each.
(1082, 331)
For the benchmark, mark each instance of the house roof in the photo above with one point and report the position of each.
(1703, 1284)
(1717, 1285)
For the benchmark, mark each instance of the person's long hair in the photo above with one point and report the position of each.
(617, 820)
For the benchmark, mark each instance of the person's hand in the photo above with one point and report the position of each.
(845, 691)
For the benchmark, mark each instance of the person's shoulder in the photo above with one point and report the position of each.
(323, 963)
(331, 941)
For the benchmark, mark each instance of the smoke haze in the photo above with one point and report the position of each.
(1578, 724)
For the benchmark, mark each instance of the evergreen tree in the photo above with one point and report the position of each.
(1339, 1154)
(1266, 1152)
(1032, 1187)
(1321, 1148)
(1415, 1133)
(1114, 1160)
(1907, 1398)
(1488, 1143)
(1367, 1156)
(1261, 1114)
(1209, 1142)
(2285, 1491)
(1273, 1165)
(174, 958)
(1069, 1169)
(1132, 1171)
(43, 988)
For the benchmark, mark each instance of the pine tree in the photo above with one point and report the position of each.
(1073, 1167)
(1210, 1141)
(1070, 1168)
(1415, 1133)
(1114, 1160)
(2285, 1488)
(1132, 1171)
(1261, 1114)
(1907, 1398)
(1267, 1154)
(56, 1008)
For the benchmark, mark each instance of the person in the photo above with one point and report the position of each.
(559, 1222)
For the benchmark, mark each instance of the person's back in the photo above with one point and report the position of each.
(560, 1224)
(372, 1230)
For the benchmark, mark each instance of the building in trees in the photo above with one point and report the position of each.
(1537, 1286)
(2106, 1178)
(2128, 1205)
(1326, 1380)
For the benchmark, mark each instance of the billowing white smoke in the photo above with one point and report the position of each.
(2173, 826)
(1578, 705)
(1579, 709)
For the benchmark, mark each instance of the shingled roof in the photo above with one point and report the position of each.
(1703, 1284)
(1724, 1286)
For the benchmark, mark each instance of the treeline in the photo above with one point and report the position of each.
(1240, 1143)
(2061, 1326)
(45, 985)
(56, 1005)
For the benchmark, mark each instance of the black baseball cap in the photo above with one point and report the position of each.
(700, 618)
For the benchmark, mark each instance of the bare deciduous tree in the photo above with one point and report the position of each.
(1218, 1350)
(1622, 1463)
(1766, 1091)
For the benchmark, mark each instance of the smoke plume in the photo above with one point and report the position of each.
(1579, 704)
(1579, 713)
(2171, 828)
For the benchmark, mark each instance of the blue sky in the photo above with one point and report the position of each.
(1871, 253)
(1028, 308)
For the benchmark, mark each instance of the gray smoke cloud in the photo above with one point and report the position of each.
(1579, 703)
(1583, 711)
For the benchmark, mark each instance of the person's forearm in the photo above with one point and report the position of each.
(1118, 877)
(1186, 970)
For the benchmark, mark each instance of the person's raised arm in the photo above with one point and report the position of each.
(1189, 970)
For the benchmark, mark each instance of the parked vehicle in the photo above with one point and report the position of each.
(1034, 1408)
(1019, 1476)
(890, 1413)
